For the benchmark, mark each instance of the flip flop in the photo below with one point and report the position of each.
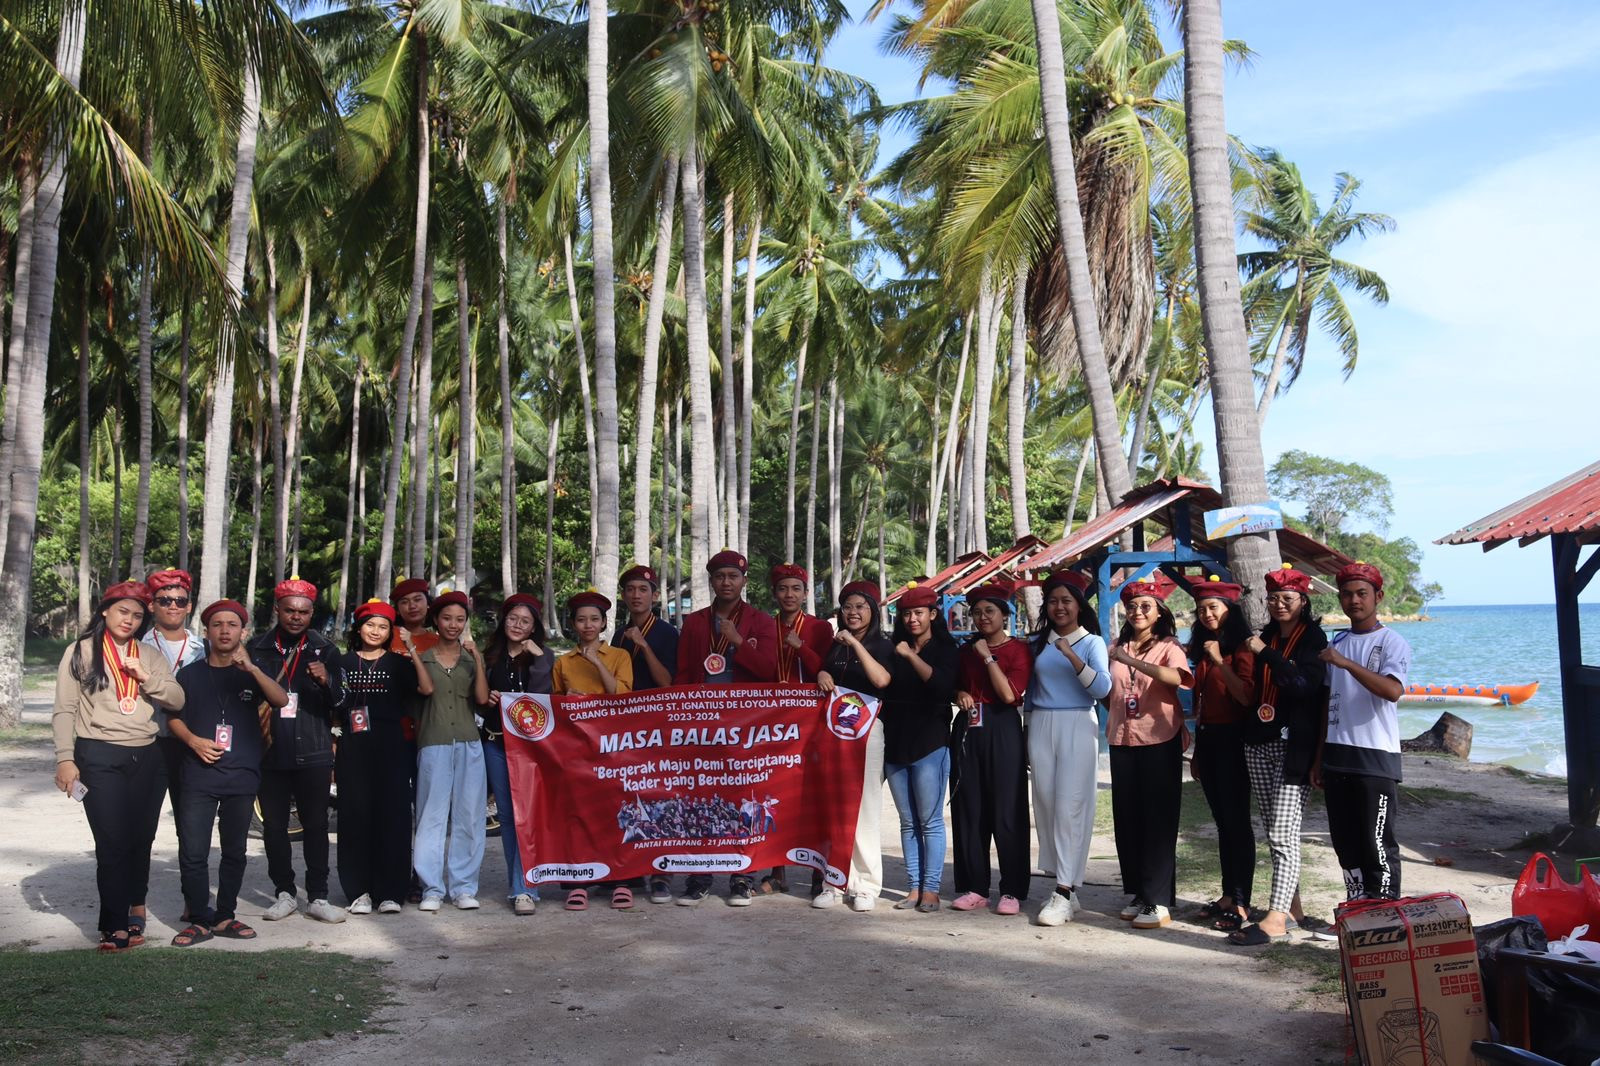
(578, 899)
(192, 935)
(233, 929)
(1228, 923)
(1253, 936)
(622, 898)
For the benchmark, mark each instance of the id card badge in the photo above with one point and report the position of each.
(292, 708)
(1130, 706)
(225, 737)
(975, 716)
(359, 721)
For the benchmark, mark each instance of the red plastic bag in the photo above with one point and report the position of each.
(1560, 907)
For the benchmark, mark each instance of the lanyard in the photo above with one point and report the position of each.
(290, 665)
(719, 643)
(787, 657)
(1269, 687)
(126, 685)
(174, 662)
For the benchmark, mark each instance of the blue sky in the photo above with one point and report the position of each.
(1476, 133)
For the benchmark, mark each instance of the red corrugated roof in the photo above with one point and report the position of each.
(948, 574)
(1571, 505)
(1002, 562)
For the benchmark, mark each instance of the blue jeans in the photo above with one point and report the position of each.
(452, 797)
(918, 791)
(494, 763)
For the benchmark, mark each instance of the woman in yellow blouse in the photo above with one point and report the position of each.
(593, 668)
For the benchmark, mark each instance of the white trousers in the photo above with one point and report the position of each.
(1062, 750)
(866, 858)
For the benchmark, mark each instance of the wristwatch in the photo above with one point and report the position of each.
(990, 659)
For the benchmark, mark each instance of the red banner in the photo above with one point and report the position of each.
(705, 779)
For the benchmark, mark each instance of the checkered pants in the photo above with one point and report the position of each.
(1282, 807)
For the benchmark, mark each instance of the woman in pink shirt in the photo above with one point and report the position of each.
(1148, 736)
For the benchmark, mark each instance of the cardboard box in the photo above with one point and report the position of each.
(1412, 981)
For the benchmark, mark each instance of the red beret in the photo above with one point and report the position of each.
(374, 609)
(785, 571)
(1157, 584)
(523, 599)
(1214, 588)
(450, 599)
(998, 592)
(295, 587)
(1068, 579)
(402, 589)
(225, 605)
(725, 558)
(868, 589)
(917, 595)
(126, 590)
(589, 598)
(1289, 579)
(1360, 572)
(167, 579)
(636, 572)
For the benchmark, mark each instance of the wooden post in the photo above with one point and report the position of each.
(1580, 684)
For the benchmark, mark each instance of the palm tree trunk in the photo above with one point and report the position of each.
(1280, 354)
(350, 501)
(963, 498)
(291, 437)
(1239, 459)
(811, 496)
(1077, 484)
(747, 356)
(952, 533)
(677, 506)
(280, 498)
(357, 570)
(508, 455)
(1152, 379)
(255, 517)
(583, 390)
(464, 432)
(794, 437)
(27, 205)
(702, 447)
(607, 501)
(183, 437)
(943, 473)
(835, 519)
(666, 474)
(424, 486)
(431, 539)
(855, 542)
(85, 471)
(141, 505)
(883, 567)
(114, 428)
(1017, 408)
(383, 577)
(552, 437)
(982, 399)
(730, 428)
(650, 366)
(1075, 251)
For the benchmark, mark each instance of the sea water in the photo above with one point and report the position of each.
(1497, 645)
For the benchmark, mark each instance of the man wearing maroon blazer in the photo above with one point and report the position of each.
(804, 640)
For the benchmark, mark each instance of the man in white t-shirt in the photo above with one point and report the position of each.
(1359, 762)
(172, 591)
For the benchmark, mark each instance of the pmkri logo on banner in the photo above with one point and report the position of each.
(527, 715)
(700, 864)
(850, 714)
(815, 860)
(567, 871)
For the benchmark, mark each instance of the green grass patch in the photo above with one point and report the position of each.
(26, 733)
(1431, 796)
(1549, 781)
(173, 1004)
(44, 651)
(1320, 964)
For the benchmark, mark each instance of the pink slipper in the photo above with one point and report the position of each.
(1009, 905)
(968, 901)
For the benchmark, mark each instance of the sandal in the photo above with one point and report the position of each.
(192, 935)
(114, 942)
(578, 899)
(136, 923)
(233, 929)
(622, 898)
(1211, 910)
(1228, 923)
(1253, 936)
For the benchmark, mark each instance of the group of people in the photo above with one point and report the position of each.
(408, 718)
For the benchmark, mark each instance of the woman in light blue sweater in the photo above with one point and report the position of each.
(1070, 674)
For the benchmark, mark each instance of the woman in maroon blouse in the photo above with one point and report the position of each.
(989, 779)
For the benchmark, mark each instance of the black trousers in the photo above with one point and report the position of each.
(174, 751)
(123, 805)
(1146, 798)
(989, 800)
(1224, 777)
(375, 771)
(1361, 814)
(198, 813)
(308, 787)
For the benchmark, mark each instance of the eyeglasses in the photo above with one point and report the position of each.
(170, 601)
(1284, 601)
(1141, 608)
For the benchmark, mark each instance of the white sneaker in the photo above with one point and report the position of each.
(523, 905)
(362, 904)
(1057, 910)
(389, 906)
(323, 911)
(429, 904)
(1154, 916)
(280, 910)
(828, 897)
(1132, 910)
(862, 903)
(466, 903)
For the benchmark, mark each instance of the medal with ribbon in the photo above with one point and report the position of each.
(717, 662)
(1268, 710)
(126, 684)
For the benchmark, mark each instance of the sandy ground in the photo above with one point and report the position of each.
(780, 979)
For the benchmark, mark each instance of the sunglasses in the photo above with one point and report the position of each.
(171, 601)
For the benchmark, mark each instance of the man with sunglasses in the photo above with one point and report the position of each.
(173, 591)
